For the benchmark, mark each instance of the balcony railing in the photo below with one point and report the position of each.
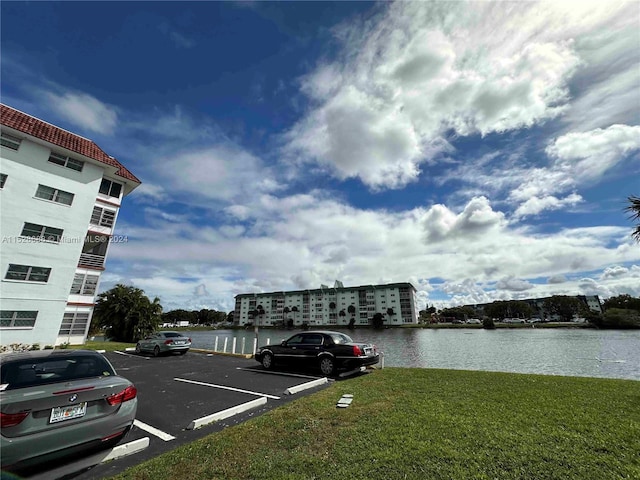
(88, 260)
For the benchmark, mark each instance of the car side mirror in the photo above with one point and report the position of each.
(284, 343)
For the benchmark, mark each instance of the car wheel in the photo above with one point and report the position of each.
(327, 366)
(156, 351)
(138, 349)
(267, 361)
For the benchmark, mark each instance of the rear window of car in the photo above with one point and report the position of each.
(339, 339)
(33, 372)
(171, 334)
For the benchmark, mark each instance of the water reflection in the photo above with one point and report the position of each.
(592, 353)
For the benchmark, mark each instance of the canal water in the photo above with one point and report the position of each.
(551, 351)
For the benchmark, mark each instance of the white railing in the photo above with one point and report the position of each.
(224, 347)
(89, 260)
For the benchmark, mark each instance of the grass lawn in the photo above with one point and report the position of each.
(428, 424)
(108, 346)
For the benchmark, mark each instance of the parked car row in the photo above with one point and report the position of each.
(55, 403)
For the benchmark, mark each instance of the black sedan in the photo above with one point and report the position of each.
(329, 351)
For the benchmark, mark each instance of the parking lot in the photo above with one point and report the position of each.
(176, 394)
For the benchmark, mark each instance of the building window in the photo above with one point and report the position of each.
(84, 284)
(10, 141)
(65, 161)
(112, 189)
(49, 234)
(3, 179)
(74, 323)
(54, 195)
(103, 217)
(27, 273)
(12, 318)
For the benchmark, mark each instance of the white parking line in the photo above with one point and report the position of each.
(282, 374)
(153, 431)
(227, 388)
(229, 412)
(129, 355)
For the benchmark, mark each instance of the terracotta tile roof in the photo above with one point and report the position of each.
(50, 133)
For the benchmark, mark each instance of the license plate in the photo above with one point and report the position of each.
(179, 342)
(60, 414)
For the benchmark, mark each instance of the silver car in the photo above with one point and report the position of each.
(54, 403)
(164, 342)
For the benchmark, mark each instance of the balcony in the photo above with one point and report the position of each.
(92, 261)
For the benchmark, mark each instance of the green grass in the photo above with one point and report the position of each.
(108, 346)
(428, 424)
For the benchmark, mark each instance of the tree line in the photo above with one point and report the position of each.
(126, 314)
(203, 316)
(622, 311)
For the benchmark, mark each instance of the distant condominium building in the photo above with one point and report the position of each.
(60, 195)
(592, 302)
(329, 306)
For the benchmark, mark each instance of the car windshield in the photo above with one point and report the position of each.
(40, 371)
(172, 334)
(340, 338)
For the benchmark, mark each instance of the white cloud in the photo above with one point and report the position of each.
(588, 155)
(422, 69)
(302, 241)
(179, 39)
(149, 193)
(554, 279)
(83, 111)
(577, 159)
(535, 205)
(222, 172)
(513, 284)
(476, 218)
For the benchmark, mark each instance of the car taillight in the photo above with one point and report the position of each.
(189, 340)
(168, 342)
(12, 419)
(356, 351)
(128, 393)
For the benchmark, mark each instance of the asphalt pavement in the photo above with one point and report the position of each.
(176, 390)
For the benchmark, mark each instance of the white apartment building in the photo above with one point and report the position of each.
(60, 195)
(327, 306)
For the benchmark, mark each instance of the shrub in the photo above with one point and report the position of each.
(487, 322)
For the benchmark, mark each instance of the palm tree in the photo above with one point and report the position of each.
(352, 311)
(342, 313)
(294, 309)
(285, 311)
(634, 214)
(390, 313)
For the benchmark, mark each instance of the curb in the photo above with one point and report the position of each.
(305, 386)
(96, 459)
(229, 412)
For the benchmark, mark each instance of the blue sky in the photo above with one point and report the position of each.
(480, 150)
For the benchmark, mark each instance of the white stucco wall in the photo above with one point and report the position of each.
(26, 169)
